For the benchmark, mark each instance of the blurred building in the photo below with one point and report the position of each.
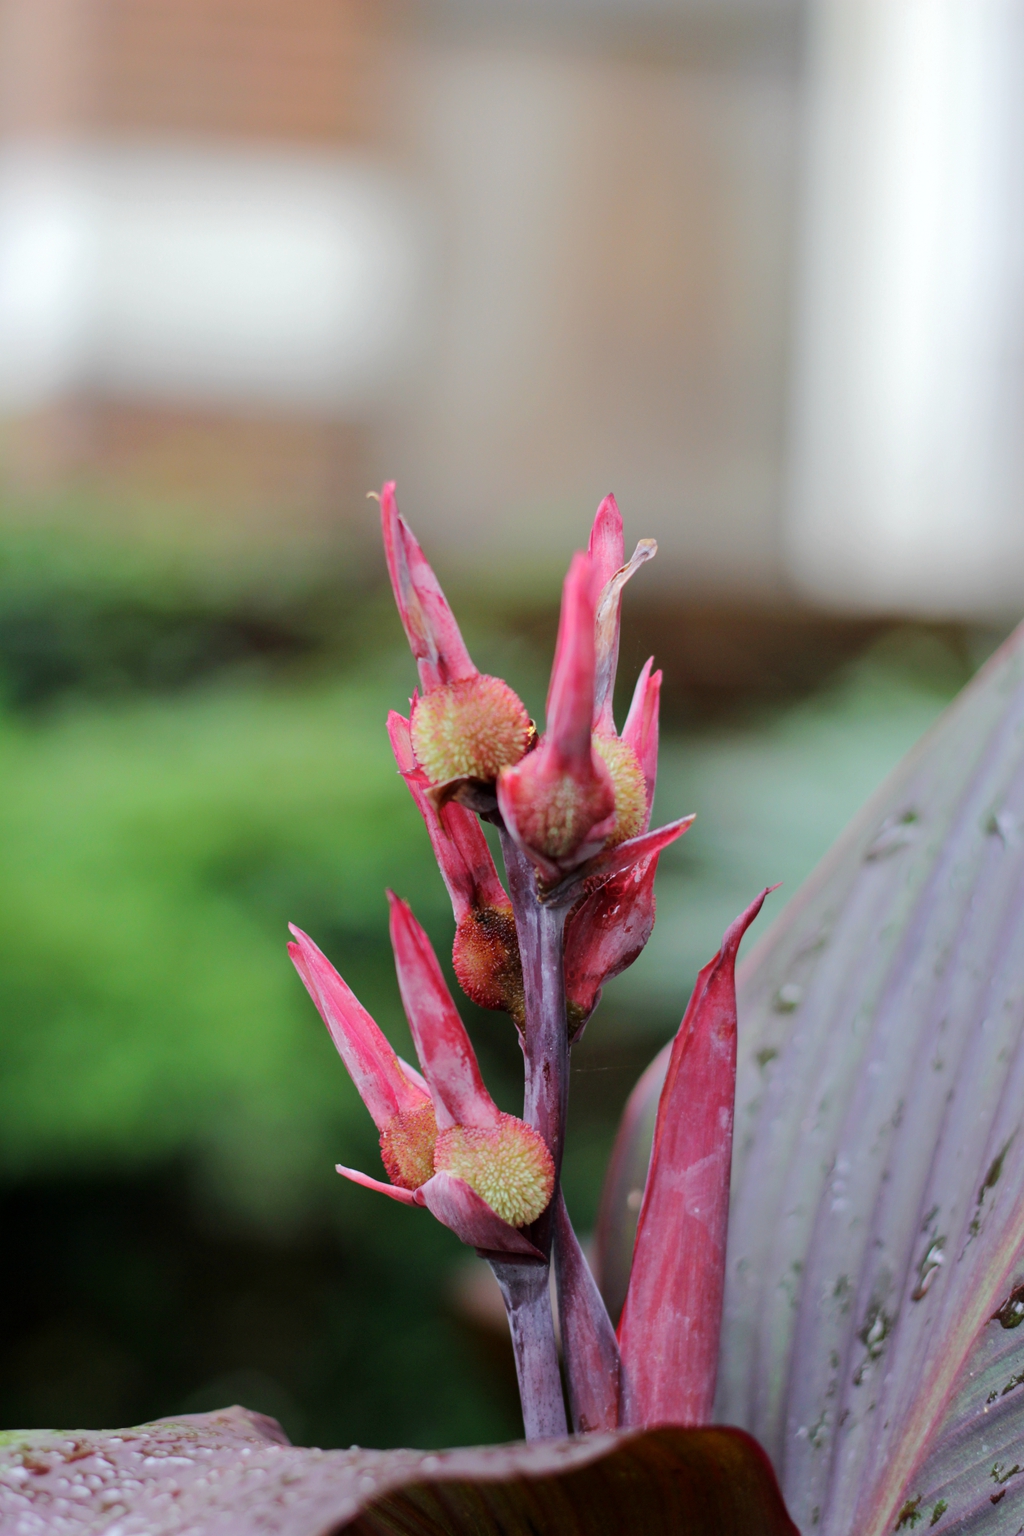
(201, 275)
(907, 466)
(754, 264)
(255, 254)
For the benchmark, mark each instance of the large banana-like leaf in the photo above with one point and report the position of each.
(876, 1244)
(234, 1474)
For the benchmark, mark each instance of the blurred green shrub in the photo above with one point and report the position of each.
(153, 854)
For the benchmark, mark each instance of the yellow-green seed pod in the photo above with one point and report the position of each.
(407, 1146)
(509, 1167)
(470, 729)
(630, 787)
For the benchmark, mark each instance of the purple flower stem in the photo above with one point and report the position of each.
(526, 1292)
(545, 1036)
(545, 1043)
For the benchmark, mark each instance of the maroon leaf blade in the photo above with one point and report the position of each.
(670, 1324)
(623, 1189)
(878, 1201)
(877, 1224)
(232, 1473)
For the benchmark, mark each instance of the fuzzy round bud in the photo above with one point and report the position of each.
(509, 1167)
(486, 960)
(630, 787)
(407, 1146)
(469, 729)
(554, 809)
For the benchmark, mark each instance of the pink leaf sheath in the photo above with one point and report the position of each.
(456, 835)
(641, 728)
(610, 929)
(607, 933)
(429, 623)
(452, 1202)
(607, 620)
(405, 1196)
(383, 1086)
(610, 861)
(458, 1207)
(446, 1054)
(607, 547)
(670, 1325)
(588, 1339)
(570, 703)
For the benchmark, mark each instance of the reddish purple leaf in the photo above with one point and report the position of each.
(233, 1473)
(624, 1180)
(670, 1323)
(875, 1279)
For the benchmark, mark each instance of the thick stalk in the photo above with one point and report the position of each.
(525, 1289)
(545, 1035)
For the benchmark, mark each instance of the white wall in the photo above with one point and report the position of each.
(907, 486)
(202, 274)
(612, 302)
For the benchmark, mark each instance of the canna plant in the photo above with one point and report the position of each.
(854, 1301)
(572, 809)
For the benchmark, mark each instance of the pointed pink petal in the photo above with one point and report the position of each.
(405, 1196)
(641, 728)
(671, 1321)
(469, 1216)
(456, 835)
(606, 623)
(570, 703)
(428, 621)
(416, 1078)
(622, 856)
(446, 1055)
(607, 933)
(607, 548)
(588, 1338)
(371, 1062)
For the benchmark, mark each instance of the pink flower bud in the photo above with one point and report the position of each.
(558, 803)
(641, 728)
(489, 1173)
(608, 930)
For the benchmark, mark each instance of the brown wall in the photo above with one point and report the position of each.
(285, 70)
